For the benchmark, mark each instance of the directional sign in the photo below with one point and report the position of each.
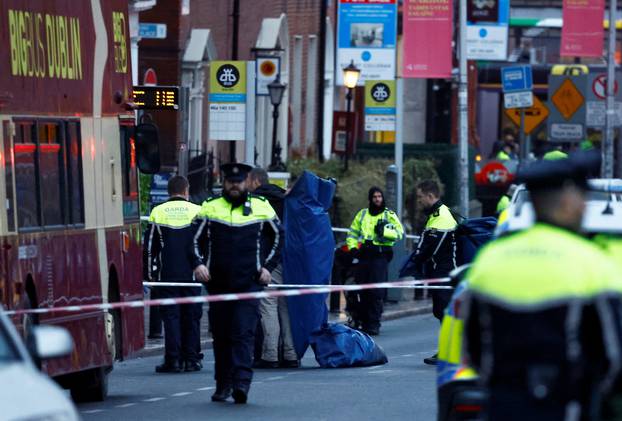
(516, 78)
(534, 115)
(522, 99)
(152, 30)
(567, 99)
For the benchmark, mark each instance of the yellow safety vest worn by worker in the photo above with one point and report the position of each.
(168, 240)
(532, 299)
(503, 203)
(555, 155)
(364, 229)
(503, 156)
(235, 242)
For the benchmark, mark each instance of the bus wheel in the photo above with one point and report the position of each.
(91, 386)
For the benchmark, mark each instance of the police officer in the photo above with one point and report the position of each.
(168, 238)
(373, 233)
(538, 328)
(435, 255)
(236, 246)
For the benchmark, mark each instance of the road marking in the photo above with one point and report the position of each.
(269, 379)
(126, 405)
(380, 371)
(93, 411)
(375, 367)
(206, 388)
(154, 399)
(181, 394)
(407, 355)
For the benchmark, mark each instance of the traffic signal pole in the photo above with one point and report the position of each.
(463, 116)
(608, 147)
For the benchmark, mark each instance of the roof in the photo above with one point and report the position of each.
(200, 47)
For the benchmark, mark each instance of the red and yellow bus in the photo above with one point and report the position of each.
(69, 227)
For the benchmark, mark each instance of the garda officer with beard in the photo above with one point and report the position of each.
(373, 233)
(236, 247)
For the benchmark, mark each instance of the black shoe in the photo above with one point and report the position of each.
(240, 395)
(433, 360)
(221, 394)
(290, 364)
(193, 366)
(155, 336)
(168, 367)
(265, 364)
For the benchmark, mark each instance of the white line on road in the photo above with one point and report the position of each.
(181, 394)
(159, 398)
(374, 367)
(269, 379)
(206, 388)
(93, 411)
(380, 371)
(125, 405)
(407, 355)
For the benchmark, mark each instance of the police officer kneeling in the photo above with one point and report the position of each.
(537, 321)
(167, 240)
(237, 245)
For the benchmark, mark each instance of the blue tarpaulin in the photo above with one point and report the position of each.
(308, 253)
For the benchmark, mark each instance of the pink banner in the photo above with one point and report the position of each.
(582, 31)
(427, 26)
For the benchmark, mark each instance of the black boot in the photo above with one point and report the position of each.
(261, 363)
(433, 360)
(193, 366)
(222, 393)
(168, 367)
(240, 394)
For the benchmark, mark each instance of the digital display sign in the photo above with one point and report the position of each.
(156, 97)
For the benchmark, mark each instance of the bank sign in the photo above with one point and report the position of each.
(367, 35)
(380, 105)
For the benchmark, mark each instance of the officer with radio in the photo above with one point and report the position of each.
(236, 247)
(373, 233)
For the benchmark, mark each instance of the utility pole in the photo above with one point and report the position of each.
(608, 149)
(463, 116)
(321, 80)
(234, 56)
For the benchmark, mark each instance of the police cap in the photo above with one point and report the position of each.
(235, 172)
(547, 175)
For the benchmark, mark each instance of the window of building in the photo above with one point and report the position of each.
(130, 173)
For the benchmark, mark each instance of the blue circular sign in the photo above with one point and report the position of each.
(366, 56)
(483, 32)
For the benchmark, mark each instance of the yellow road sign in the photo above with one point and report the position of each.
(534, 115)
(567, 99)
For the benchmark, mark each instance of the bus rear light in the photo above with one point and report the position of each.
(125, 241)
(462, 408)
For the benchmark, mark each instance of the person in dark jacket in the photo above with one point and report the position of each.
(167, 239)
(236, 247)
(274, 313)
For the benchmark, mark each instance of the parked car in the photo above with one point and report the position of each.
(21, 380)
(460, 397)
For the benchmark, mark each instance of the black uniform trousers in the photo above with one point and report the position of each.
(369, 306)
(233, 326)
(440, 300)
(182, 325)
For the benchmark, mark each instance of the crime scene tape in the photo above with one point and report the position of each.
(423, 285)
(222, 297)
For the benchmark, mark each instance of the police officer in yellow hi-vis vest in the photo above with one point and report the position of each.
(373, 233)
(540, 326)
(168, 239)
(236, 247)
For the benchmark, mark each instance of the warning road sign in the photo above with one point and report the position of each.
(534, 115)
(599, 87)
(567, 99)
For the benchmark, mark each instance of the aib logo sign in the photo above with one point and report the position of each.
(380, 92)
(227, 76)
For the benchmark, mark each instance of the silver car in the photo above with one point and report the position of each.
(25, 392)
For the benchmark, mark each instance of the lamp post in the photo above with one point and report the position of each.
(276, 90)
(351, 75)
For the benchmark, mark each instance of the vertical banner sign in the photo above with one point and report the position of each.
(367, 35)
(487, 29)
(428, 28)
(380, 105)
(227, 100)
(582, 32)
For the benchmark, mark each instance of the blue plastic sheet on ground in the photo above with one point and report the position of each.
(308, 253)
(338, 346)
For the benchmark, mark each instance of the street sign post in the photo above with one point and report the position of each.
(517, 84)
(596, 94)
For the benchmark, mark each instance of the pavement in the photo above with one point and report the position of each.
(402, 389)
(392, 310)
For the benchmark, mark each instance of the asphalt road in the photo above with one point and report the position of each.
(403, 389)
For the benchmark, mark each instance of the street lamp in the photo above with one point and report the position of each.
(276, 89)
(351, 75)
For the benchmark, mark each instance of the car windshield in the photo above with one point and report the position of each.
(7, 351)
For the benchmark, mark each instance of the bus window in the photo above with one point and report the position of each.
(8, 177)
(51, 173)
(130, 173)
(73, 154)
(26, 175)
